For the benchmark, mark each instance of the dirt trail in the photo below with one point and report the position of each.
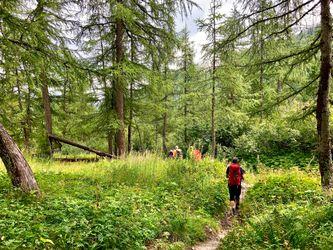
(225, 227)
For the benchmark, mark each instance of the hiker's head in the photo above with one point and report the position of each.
(235, 160)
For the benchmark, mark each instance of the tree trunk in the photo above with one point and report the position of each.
(110, 143)
(119, 88)
(17, 167)
(186, 80)
(185, 116)
(261, 52)
(110, 133)
(165, 114)
(74, 144)
(28, 120)
(322, 112)
(164, 146)
(28, 114)
(156, 134)
(140, 137)
(213, 131)
(23, 121)
(47, 109)
(64, 107)
(261, 71)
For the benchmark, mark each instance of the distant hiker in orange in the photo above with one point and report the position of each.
(235, 177)
(197, 154)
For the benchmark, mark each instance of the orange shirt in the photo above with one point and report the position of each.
(197, 155)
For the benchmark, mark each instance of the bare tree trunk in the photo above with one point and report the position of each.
(23, 121)
(165, 119)
(28, 115)
(110, 142)
(213, 131)
(261, 53)
(119, 88)
(156, 133)
(165, 114)
(28, 120)
(261, 77)
(17, 167)
(322, 112)
(110, 133)
(140, 137)
(47, 108)
(186, 80)
(74, 144)
(185, 115)
(64, 106)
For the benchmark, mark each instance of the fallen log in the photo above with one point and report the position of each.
(76, 159)
(74, 144)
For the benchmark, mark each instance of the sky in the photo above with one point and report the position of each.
(198, 37)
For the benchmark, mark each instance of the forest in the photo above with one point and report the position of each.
(121, 122)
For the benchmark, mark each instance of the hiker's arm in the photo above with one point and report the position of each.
(227, 172)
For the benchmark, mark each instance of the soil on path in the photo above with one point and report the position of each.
(225, 226)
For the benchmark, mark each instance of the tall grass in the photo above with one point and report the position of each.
(284, 210)
(125, 204)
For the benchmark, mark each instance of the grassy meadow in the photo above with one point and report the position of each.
(136, 203)
(146, 202)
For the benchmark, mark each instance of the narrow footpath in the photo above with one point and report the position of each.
(225, 227)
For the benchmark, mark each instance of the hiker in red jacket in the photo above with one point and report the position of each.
(235, 176)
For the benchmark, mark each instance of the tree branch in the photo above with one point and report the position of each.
(286, 97)
(231, 39)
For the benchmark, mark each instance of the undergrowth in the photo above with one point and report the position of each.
(284, 210)
(284, 160)
(122, 204)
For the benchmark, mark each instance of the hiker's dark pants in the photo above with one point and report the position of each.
(235, 192)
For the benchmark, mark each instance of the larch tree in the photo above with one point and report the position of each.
(322, 111)
(289, 16)
(32, 47)
(210, 27)
(186, 62)
(17, 167)
(146, 23)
